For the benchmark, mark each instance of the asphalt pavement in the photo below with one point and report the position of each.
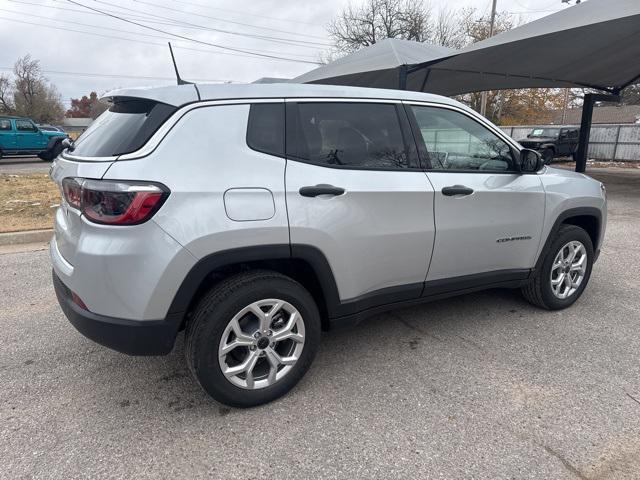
(23, 164)
(480, 386)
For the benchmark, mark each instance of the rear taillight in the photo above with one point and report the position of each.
(72, 189)
(114, 202)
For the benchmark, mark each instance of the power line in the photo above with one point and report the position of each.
(208, 7)
(183, 37)
(163, 45)
(31, 15)
(108, 75)
(224, 20)
(289, 41)
(147, 19)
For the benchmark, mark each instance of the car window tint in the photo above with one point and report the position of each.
(456, 142)
(25, 126)
(350, 135)
(265, 129)
(124, 128)
(5, 124)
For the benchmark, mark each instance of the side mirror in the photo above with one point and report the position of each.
(530, 161)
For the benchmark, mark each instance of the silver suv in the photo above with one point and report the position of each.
(254, 216)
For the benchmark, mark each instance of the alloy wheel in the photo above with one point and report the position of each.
(568, 269)
(261, 344)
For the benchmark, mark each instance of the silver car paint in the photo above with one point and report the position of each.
(201, 153)
(200, 159)
(565, 190)
(468, 227)
(378, 234)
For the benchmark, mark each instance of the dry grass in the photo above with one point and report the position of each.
(27, 201)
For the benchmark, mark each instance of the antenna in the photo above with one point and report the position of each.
(175, 66)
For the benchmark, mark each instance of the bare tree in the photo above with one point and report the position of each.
(449, 28)
(33, 95)
(363, 25)
(6, 92)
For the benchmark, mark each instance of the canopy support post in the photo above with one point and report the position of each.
(403, 70)
(585, 125)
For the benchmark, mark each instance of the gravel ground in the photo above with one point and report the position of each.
(482, 386)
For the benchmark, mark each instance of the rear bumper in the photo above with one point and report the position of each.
(133, 337)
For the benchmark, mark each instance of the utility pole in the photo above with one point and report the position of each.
(483, 102)
(565, 104)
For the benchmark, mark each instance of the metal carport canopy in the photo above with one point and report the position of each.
(377, 65)
(594, 44)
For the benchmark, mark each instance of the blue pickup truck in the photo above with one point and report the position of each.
(21, 136)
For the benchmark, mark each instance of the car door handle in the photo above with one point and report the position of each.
(456, 190)
(323, 189)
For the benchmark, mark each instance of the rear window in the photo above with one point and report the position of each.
(124, 128)
(5, 124)
(265, 129)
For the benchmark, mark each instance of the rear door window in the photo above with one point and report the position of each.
(5, 124)
(124, 128)
(350, 135)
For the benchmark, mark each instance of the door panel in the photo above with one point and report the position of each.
(488, 217)
(378, 234)
(7, 135)
(28, 137)
(497, 227)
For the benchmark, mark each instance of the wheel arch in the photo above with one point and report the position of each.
(304, 263)
(587, 218)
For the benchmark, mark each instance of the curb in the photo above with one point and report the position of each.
(29, 236)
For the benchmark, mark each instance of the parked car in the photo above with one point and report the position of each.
(552, 142)
(21, 136)
(254, 216)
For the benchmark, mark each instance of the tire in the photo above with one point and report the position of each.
(547, 156)
(539, 291)
(213, 318)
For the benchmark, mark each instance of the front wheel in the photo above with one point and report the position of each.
(565, 270)
(252, 338)
(547, 156)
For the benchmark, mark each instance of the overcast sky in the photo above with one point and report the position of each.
(293, 29)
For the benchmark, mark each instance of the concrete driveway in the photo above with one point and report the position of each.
(481, 386)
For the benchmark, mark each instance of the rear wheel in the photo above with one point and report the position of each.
(547, 156)
(252, 338)
(565, 270)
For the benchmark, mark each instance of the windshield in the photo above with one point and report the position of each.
(544, 132)
(124, 128)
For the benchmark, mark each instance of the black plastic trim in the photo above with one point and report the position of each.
(133, 337)
(385, 300)
(565, 215)
(350, 310)
(385, 296)
(208, 264)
